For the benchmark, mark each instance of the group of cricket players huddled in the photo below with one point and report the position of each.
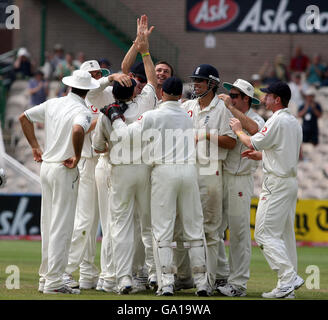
(165, 176)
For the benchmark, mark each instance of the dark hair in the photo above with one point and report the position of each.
(242, 94)
(80, 92)
(284, 100)
(164, 62)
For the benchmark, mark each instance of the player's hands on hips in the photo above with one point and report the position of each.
(71, 163)
(252, 154)
(3, 178)
(37, 154)
(235, 125)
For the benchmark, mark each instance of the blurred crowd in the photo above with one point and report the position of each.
(304, 74)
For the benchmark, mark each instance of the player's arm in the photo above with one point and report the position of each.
(237, 128)
(77, 140)
(247, 123)
(142, 45)
(224, 142)
(28, 130)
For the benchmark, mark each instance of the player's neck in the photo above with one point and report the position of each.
(206, 100)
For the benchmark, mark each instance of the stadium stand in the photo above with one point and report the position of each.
(312, 177)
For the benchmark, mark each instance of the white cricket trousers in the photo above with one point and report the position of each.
(174, 189)
(130, 194)
(237, 196)
(102, 176)
(59, 187)
(274, 226)
(211, 190)
(83, 246)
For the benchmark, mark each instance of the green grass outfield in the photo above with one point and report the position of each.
(26, 255)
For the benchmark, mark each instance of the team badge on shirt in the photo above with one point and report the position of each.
(264, 130)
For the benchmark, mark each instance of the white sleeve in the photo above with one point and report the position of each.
(266, 138)
(147, 99)
(84, 120)
(99, 138)
(37, 113)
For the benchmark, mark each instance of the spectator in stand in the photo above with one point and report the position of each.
(315, 71)
(310, 112)
(280, 68)
(299, 62)
(38, 89)
(297, 87)
(23, 66)
(64, 69)
(324, 82)
(105, 64)
(58, 56)
(80, 58)
(256, 82)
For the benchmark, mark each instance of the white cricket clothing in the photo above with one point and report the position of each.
(59, 115)
(101, 96)
(234, 163)
(238, 185)
(83, 245)
(173, 141)
(280, 139)
(215, 117)
(174, 189)
(59, 184)
(130, 188)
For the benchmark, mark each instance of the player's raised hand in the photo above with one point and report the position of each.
(226, 99)
(142, 26)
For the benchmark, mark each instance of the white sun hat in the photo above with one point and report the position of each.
(244, 86)
(81, 80)
(93, 65)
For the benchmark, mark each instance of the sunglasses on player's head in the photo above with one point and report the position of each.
(234, 95)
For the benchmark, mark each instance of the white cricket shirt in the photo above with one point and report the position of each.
(214, 116)
(124, 151)
(95, 100)
(59, 115)
(234, 163)
(280, 140)
(168, 133)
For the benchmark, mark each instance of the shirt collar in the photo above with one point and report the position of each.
(74, 96)
(212, 104)
(166, 104)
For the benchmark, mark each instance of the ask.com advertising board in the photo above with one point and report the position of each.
(257, 16)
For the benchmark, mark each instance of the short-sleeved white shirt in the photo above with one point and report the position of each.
(214, 116)
(145, 101)
(95, 100)
(172, 131)
(59, 115)
(280, 140)
(234, 163)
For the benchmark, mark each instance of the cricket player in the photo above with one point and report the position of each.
(67, 120)
(83, 245)
(211, 119)
(238, 185)
(130, 187)
(174, 188)
(279, 140)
